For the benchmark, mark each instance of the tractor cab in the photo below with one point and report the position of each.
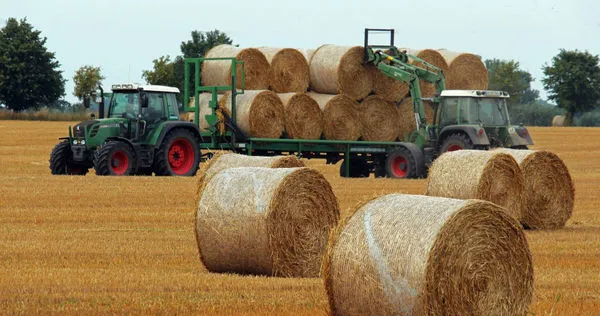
(150, 103)
(480, 118)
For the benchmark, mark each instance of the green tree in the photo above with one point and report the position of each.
(573, 81)
(29, 73)
(162, 72)
(506, 75)
(87, 78)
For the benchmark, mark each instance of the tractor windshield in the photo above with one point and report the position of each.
(124, 102)
(486, 111)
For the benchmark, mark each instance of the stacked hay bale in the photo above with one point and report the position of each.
(379, 119)
(549, 190)
(478, 174)
(416, 255)
(259, 113)
(222, 161)
(339, 69)
(265, 221)
(288, 69)
(341, 117)
(435, 58)
(465, 71)
(303, 117)
(406, 116)
(218, 72)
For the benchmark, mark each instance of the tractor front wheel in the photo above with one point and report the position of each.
(114, 158)
(456, 142)
(178, 155)
(61, 161)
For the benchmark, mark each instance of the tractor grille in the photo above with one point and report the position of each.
(94, 130)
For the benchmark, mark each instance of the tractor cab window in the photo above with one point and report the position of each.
(492, 111)
(124, 102)
(155, 109)
(448, 111)
(172, 106)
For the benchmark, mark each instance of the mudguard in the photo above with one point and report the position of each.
(474, 132)
(518, 136)
(168, 126)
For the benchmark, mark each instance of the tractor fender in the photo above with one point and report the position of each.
(518, 136)
(417, 153)
(475, 133)
(169, 126)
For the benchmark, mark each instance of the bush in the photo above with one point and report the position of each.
(44, 114)
(538, 113)
(591, 118)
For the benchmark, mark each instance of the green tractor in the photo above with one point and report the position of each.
(141, 135)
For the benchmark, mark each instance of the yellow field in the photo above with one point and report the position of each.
(126, 245)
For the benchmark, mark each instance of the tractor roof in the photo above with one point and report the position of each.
(135, 86)
(475, 93)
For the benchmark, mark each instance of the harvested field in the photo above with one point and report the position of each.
(91, 245)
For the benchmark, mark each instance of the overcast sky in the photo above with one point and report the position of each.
(123, 37)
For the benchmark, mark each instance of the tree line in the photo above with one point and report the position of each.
(30, 76)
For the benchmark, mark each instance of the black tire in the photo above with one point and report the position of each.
(380, 171)
(61, 161)
(178, 154)
(520, 147)
(114, 158)
(401, 164)
(144, 172)
(358, 168)
(456, 142)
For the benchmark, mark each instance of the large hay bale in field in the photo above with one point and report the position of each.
(406, 116)
(478, 174)
(259, 113)
(303, 117)
(549, 190)
(218, 72)
(265, 221)
(558, 120)
(307, 53)
(341, 118)
(339, 69)
(435, 58)
(288, 70)
(222, 161)
(417, 255)
(465, 71)
(204, 108)
(379, 119)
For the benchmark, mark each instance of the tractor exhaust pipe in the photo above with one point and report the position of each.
(101, 104)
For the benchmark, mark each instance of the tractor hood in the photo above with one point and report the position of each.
(95, 132)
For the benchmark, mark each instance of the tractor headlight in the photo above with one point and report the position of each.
(82, 142)
(75, 142)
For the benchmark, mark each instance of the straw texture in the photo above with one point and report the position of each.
(288, 70)
(303, 117)
(417, 255)
(478, 174)
(265, 221)
(379, 119)
(218, 72)
(259, 113)
(435, 58)
(558, 120)
(341, 117)
(339, 69)
(549, 190)
(465, 71)
(406, 116)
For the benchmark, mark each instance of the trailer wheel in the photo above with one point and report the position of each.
(456, 142)
(61, 161)
(401, 164)
(178, 155)
(358, 168)
(114, 158)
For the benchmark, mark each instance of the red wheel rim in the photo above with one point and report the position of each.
(181, 156)
(454, 147)
(399, 166)
(119, 162)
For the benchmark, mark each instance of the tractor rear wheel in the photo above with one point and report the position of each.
(114, 158)
(401, 164)
(456, 142)
(178, 155)
(61, 161)
(358, 168)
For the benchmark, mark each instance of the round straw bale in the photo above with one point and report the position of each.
(259, 113)
(379, 119)
(406, 116)
(478, 174)
(435, 58)
(339, 69)
(465, 71)
(302, 116)
(218, 72)
(288, 70)
(558, 120)
(387, 87)
(549, 190)
(416, 255)
(307, 53)
(341, 118)
(265, 221)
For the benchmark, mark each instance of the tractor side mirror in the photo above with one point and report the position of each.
(144, 100)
